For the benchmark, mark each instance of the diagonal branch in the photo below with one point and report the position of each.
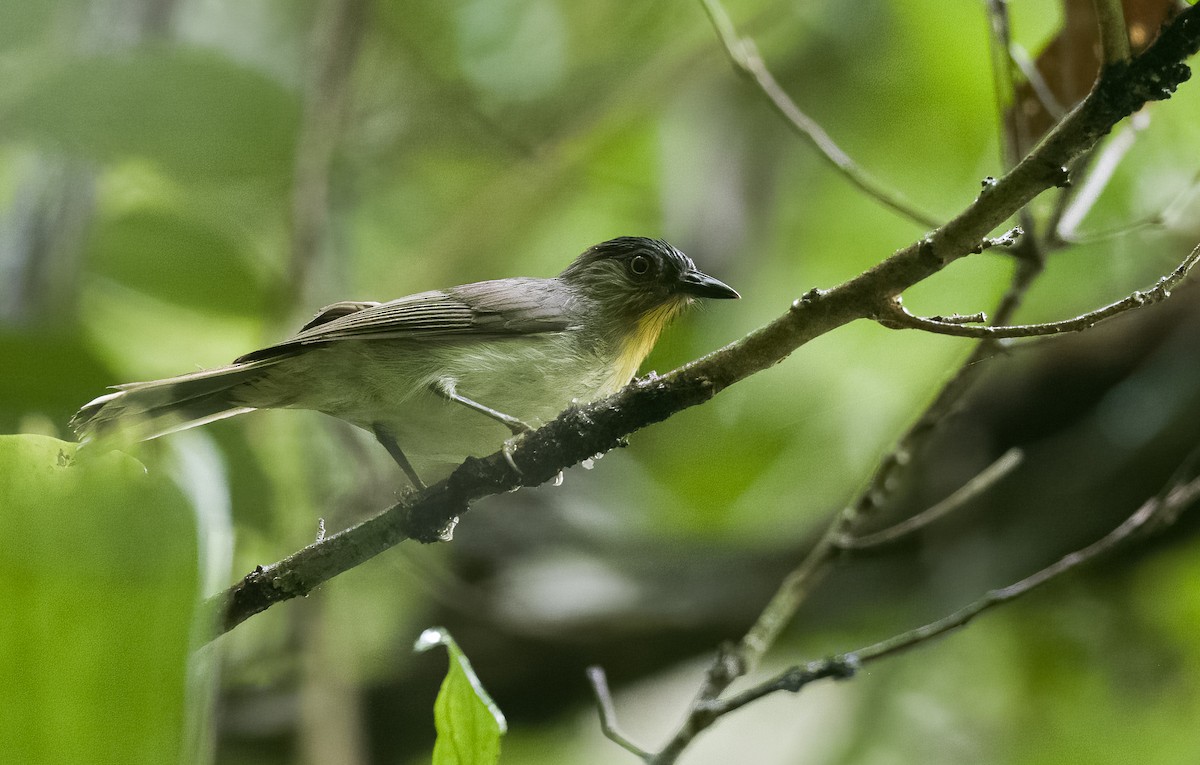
(1162, 509)
(608, 714)
(745, 57)
(1155, 513)
(582, 432)
(987, 478)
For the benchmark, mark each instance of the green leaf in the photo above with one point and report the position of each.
(469, 724)
(98, 577)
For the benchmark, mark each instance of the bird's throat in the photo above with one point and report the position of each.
(638, 343)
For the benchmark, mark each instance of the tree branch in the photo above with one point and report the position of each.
(1105, 165)
(735, 661)
(1160, 511)
(1012, 134)
(965, 493)
(896, 316)
(1114, 34)
(582, 432)
(746, 59)
(608, 714)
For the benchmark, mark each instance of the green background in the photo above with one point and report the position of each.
(148, 204)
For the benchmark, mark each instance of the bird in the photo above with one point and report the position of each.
(441, 375)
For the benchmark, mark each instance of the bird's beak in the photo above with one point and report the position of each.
(700, 284)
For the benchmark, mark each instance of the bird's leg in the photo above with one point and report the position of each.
(393, 448)
(445, 388)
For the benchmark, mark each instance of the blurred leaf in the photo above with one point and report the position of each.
(52, 373)
(469, 724)
(512, 49)
(22, 22)
(190, 110)
(98, 605)
(179, 261)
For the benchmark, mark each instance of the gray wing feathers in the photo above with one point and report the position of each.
(501, 307)
(519, 306)
(337, 311)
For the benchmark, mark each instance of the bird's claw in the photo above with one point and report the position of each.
(507, 451)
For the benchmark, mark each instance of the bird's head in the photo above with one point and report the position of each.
(635, 286)
(632, 277)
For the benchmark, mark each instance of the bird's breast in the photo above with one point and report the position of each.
(637, 344)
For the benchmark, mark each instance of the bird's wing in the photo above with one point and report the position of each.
(504, 307)
(337, 311)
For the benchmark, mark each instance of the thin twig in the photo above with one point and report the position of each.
(962, 318)
(1154, 220)
(1114, 35)
(1153, 514)
(745, 57)
(895, 316)
(965, 493)
(1036, 81)
(1012, 135)
(838, 667)
(608, 714)
(1170, 503)
(1102, 170)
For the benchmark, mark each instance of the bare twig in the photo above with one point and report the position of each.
(965, 493)
(1161, 218)
(1106, 163)
(1170, 503)
(962, 318)
(1004, 84)
(896, 316)
(745, 57)
(838, 667)
(1034, 77)
(1114, 35)
(608, 714)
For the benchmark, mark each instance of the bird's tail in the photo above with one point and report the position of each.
(145, 410)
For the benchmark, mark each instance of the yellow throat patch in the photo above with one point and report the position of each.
(638, 343)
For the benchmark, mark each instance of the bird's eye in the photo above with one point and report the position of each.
(639, 265)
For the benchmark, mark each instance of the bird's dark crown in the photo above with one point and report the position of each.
(633, 276)
(665, 263)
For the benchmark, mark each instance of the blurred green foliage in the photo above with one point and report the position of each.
(148, 194)
(99, 584)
